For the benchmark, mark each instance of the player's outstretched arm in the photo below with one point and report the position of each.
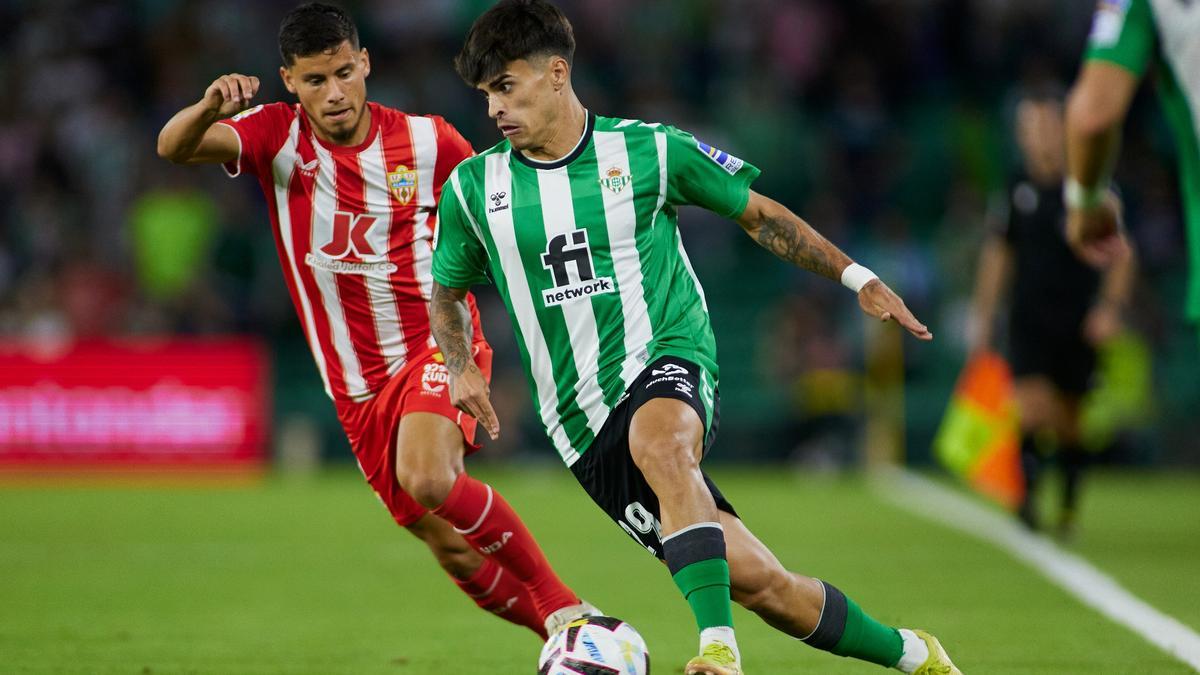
(450, 322)
(1096, 110)
(785, 234)
(192, 136)
(789, 237)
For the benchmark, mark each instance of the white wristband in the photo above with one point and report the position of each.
(1077, 196)
(856, 276)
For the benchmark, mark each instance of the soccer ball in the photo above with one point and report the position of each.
(595, 645)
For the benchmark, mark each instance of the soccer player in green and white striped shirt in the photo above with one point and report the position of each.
(1128, 38)
(574, 217)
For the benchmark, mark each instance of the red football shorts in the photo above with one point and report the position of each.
(421, 386)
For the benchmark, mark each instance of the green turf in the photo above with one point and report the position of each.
(1145, 531)
(313, 578)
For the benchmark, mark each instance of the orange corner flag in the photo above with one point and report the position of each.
(979, 438)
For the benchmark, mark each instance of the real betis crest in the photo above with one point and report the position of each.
(403, 183)
(616, 179)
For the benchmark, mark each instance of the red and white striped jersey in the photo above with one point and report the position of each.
(354, 229)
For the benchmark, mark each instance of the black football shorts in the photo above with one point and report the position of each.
(607, 471)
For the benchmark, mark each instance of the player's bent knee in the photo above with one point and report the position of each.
(429, 487)
(665, 460)
(665, 437)
(429, 457)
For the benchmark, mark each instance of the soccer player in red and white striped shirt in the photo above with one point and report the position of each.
(352, 187)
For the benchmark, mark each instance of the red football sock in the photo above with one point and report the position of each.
(497, 591)
(489, 524)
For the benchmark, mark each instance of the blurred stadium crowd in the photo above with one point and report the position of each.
(887, 124)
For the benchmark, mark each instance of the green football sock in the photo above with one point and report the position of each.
(705, 585)
(844, 629)
(867, 639)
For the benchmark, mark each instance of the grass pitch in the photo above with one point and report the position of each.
(312, 577)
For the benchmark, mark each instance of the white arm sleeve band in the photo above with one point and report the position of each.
(856, 276)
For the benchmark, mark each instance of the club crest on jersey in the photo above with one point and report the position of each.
(723, 159)
(615, 179)
(402, 182)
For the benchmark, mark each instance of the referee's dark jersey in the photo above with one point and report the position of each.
(1052, 289)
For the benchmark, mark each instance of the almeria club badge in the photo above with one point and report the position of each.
(402, 182)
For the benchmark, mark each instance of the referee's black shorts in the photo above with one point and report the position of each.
(1062, 356)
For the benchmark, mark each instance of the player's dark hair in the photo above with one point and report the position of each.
(513, 30)
(315, 28)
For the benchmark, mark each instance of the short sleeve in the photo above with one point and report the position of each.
(261, 131)
(459, 257)
(1122, 33)
(452, 148)
(700, 174)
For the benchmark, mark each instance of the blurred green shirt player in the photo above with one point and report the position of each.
(1129, 38)
(573, 217)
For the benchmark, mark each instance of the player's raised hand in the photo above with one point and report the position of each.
(230, 94)
(880, 302)
(469, 392)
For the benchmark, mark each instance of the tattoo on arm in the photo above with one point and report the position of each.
(450, 321)
(793, 240)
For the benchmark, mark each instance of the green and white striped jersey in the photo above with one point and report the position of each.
(1128, 33)
(587, 255)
